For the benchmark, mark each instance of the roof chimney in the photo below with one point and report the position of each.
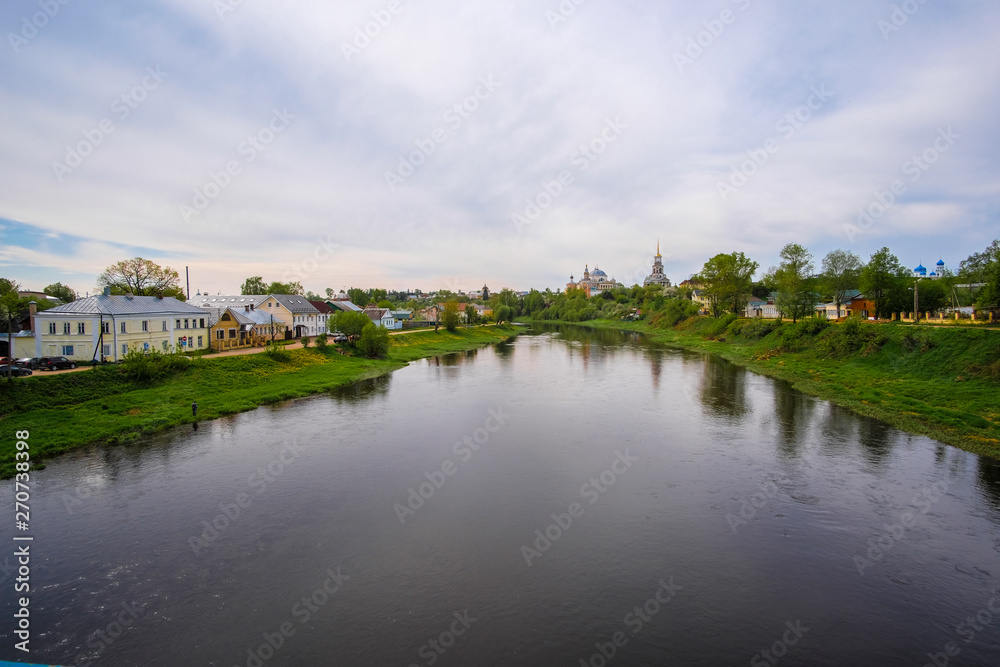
(32, 309)
(107, 290)
(130, 296)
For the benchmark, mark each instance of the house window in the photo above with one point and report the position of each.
(201, 322)
(164, 325)
(52, 327)
(186, 324)
(164, 346)
(232, 333)
(145, 325)
(81, 328)
(177, 324)
(106, 351)
(124, 347)
(123, 328)
(65, 327)
(106, 328)
(220, 334)
(67, 350)
(199, 341)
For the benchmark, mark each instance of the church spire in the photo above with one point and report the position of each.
(657, 247)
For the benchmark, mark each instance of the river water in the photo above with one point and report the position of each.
(570, 498)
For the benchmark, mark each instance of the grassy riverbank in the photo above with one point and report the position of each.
(943, 382)
(105, 406)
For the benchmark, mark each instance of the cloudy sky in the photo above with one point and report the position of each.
(450, 144)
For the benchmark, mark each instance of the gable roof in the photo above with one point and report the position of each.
(222, 301)
(294, 303)
(322, 306)
(121, 304)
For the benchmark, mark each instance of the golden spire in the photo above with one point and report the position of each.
(657, 247)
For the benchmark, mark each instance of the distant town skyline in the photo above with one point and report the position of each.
(447, 145)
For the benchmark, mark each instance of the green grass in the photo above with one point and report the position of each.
(103, 406)
(942, 382)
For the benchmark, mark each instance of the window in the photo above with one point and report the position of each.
(81, 328)
(165, 346)
(52, 327)
(145, 325)
(106, 328)
(220, 334)
(123, 328)
(185, 323)
(232, 333)
(199, 341)
(164, 325)
(67, 350)
(65, 327)
(177, 324)
(106, 351)
(201, 322)
(124, 346)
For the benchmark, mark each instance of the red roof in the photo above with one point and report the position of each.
(322, 306)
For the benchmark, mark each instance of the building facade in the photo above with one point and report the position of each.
(593, 283)
(657, 277)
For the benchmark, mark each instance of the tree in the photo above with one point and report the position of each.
(841, 273)
(449, 317)
(503, 314)
(880, 281)
(728, 279)
(285, 288)
(795, 290)
(506, 297)
(350, 323)
(984, 267)
(358, 296)
(471, 315)
(374, 341)
(534, 302)
(60, 291)
(254, 285)
(329, 292)
(141, 277)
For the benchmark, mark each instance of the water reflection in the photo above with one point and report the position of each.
(875, 439)
(363, 390)
(723, 388)
(988, 481)
(794, 412)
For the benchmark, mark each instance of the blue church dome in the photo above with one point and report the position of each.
(920, 269)
(940, 262)
(598, 272)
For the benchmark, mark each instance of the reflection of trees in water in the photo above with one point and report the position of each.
(656, 366)
(988, 481)
(839, 429)
(504, 350)
(723, 388)
(603, 337)
(794, 412)
(454, 358)
(363, 390)
(874, 437)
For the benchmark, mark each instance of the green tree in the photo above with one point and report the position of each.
(358, 296)
(728, 279)
(141, 277)
(984, 267)
(503, 314)
(471, 315)
(533, 302)
(796, 297)
(350, 323)
(374, 341)
(841, 273)
(506, 297)
(254, 285)
(60, 291)
(933, 295)
(285, 288)
(881, 282)
(449, 317)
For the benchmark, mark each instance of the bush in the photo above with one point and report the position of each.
(152, 365)
(854, 336)
(374, 341)
(305, 341)
(758, 327)
(321, 341)
(716, 327)
(808, 327)
(277, 352)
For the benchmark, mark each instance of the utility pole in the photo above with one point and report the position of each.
(916, 301)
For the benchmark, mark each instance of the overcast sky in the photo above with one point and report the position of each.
(451, 144)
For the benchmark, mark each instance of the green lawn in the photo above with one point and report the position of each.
(66, 411)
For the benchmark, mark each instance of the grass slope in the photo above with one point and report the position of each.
(943, 382)
(101, 405)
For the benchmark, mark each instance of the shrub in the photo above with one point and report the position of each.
(305, 341)
(277, 352)
(717, 326)
(854, 336)
(374, 341)
(321, 341)
(758, 327)
(152, 365)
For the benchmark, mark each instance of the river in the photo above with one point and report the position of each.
(572, 497)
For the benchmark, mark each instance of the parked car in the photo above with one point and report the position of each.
(27, 362)
(16, 371)
(55, 363)
(338, 337)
